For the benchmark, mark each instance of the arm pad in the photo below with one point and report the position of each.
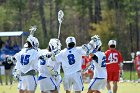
(88, 48)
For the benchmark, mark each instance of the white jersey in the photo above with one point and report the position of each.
(27, 60)
(42, 67)
(57, 67)
(100, 65)
(70, 59)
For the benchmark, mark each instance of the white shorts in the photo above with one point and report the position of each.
(47, 84)
(58, 80)
(74, 79)
(97, 84)
(29, 82)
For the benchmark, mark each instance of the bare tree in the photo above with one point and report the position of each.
(56, 10)
(137, 24)
(90, 9)
(82, 22)
(97, 16)
(51, 20)
(42, 16)
(20, 16)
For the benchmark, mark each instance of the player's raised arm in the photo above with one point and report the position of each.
(93, 45)
(54, 48)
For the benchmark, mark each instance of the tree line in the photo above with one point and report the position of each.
(110, 19)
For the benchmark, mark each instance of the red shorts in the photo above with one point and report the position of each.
(113, 76)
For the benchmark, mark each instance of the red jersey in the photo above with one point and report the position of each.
(86, 60)
(113, 59)
(137, 63)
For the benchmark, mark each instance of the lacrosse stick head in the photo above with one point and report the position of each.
(60, 16)
(32, 30)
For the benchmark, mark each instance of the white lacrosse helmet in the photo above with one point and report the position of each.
(138, 53)
(55, 44)
(33, 41)
(70, 40)
(112, 42)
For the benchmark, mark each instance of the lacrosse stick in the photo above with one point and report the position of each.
(60, 19)
(32, 30)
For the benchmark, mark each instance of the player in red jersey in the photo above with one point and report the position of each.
(114, 63)
(88, 74)
(137, 64)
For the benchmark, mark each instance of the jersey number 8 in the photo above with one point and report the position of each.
(71, 59)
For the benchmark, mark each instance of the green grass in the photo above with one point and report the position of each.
(130, 75)
(128, 87)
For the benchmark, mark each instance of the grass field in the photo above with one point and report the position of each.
(124, 87)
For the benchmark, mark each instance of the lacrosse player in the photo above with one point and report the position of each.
(99, 79)
(137, 64)
(71, 60)
(88, 73)
(27, 60)
(49, 78)
(46, 81)
(114, 65)
(26, 64)
(55, 47)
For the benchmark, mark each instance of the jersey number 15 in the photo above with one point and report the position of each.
(25, 59)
